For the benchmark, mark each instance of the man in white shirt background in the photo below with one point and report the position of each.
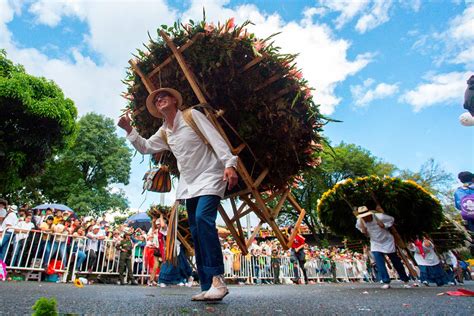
(375, 226)
(204, 174)
(8, 223)
(93, 245)
(21, 229)
(3, 211)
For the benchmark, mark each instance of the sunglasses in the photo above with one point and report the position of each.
(162, 95)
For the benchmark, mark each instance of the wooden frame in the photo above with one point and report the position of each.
(251, 196)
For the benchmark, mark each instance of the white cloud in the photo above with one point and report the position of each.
(363, 95)
(368, 13)
(378, 15)
(445, 88)
(348, 9)
(460, 36)
(453, 44)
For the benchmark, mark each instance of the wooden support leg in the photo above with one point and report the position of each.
(238, 239)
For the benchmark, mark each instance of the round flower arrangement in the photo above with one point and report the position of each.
(265, 101)
(415, 210)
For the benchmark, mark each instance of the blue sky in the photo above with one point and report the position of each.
(393, 71)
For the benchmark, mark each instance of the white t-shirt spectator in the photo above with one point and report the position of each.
(23, 226)
(93, 242)
(60, 232)
(10, 220)
(3, 212)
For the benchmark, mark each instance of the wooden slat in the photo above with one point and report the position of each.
(184, 241)
(241, 214)
(255, 232)
(236, 211)
(295, 230)
(260, 178)
(252, 63)
(268, 82)
(277, 209)
(172, 57)
(148, 84)
(282, 92)
(238, 239)
(237, 194)
(238, 149)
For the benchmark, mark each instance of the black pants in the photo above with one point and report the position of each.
(276, 272)
(299, 258)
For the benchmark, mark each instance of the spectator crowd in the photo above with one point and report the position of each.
(49, 240)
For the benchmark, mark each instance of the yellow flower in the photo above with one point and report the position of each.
(78, 283)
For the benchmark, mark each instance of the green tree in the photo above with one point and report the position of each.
(38, 122)
(343, 162)
(433, 178)
(83, 176)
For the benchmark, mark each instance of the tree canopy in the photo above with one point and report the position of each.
(38, 122)
(82, 176)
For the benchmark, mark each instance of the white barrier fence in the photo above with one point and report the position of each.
(70, 257)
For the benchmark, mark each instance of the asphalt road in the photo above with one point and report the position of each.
(16, 298)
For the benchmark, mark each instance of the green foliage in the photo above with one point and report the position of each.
(279, 120)
(38, 122)
(82, 176)
(341, 162)
(45, 307)
(415, 210)
(433, 178)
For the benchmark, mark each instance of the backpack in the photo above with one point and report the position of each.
(469, 96)
(466, 201)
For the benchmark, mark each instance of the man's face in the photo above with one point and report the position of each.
(164, 101)
(28, 219)
(368, 218)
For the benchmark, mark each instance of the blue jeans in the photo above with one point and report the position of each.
(382, 269)
(18, 248)
(5, 242)
(56, 246)
(202, 213)
(81, 256)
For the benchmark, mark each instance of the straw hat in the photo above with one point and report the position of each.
(150, 104)
(363, 211)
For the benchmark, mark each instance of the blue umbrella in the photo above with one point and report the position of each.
(61, 207)
(141, 220)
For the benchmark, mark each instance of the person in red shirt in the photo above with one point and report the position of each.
(298, 256)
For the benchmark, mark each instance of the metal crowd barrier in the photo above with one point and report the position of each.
(71, 257)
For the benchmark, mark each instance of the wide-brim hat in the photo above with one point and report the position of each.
(150, 105)
(363, 211)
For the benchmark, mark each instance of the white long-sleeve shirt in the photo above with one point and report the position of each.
(201, 169)
(381, 240)
(430, 259)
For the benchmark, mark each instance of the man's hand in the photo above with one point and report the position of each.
(231, 176)
(125, 122)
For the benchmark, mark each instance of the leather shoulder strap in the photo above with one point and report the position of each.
(188, 118)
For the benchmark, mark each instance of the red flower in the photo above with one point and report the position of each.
(230, 24)
(296, 73)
